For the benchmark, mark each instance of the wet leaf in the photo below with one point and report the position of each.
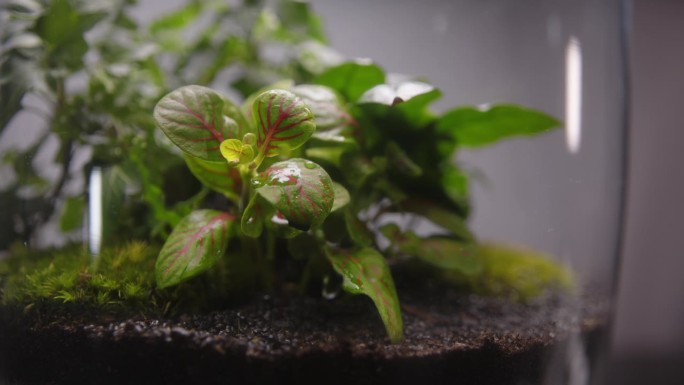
(284, 122)
(352, 79)
(197, 119)
(252, 222)
(196, 244)
(474, 127)
(300, 190)
(366, 272)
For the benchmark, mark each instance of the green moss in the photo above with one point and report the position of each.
(515, 272)
(121, 279)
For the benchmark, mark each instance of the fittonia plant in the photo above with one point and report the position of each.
(335, 168)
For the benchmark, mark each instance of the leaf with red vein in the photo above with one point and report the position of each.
(300, 190)
(196, 244)
(366, 272)
(218, 176)
(197, 119)
(284, 122)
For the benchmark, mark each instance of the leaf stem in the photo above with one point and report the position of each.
(246, 174)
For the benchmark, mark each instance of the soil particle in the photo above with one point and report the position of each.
(449, 338)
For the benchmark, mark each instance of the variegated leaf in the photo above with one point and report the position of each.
(195, 244)
(300, 190)
(218, 176)
(284, 122)
(366, 272)
(197, 119)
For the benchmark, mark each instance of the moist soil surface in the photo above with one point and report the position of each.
(450, 337)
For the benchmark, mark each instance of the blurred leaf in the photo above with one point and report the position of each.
(62, 27)
(455, 183)
(325, 104)
(473, 127)
(14, 83)
(358, 231)
(341, 197)
(440, 216)
(400, 162)
(178, 19)
(297, 17)
(352, 79)
(72, 214)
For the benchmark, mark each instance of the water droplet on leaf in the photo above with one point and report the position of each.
(331, 288)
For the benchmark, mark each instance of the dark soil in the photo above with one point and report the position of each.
(450, 338)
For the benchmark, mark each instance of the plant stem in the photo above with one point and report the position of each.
(246, 174)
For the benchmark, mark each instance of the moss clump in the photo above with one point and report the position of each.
(518, 273)
(120, 280)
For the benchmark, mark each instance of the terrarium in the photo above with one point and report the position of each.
(282, 191)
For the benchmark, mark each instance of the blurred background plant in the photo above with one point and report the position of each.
(85, 76)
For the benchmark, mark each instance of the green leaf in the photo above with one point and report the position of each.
(366, 272)
(218, 176)
(352, 79)
(400, 162)
(284, 122)
(446, 253)
(455, 183)
(72, 214)
(197, 243)
(440, 216)
(58, 24)
(357, 229)
(15, 81)
(178, 19)
(475, 127)
(341, 197)
(325, 104)
(197, 119)
(300, 190)
(236, 152)
(62, 28)
(252, 222)
(298, 16)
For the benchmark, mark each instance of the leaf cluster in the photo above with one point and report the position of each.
(89, 73)
(340, 169)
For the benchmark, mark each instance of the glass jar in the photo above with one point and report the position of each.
(514, 284)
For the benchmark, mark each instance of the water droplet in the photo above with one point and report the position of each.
(310, 165)
(256, 183)
(279, 219)
(250, 220)
(331, 288)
